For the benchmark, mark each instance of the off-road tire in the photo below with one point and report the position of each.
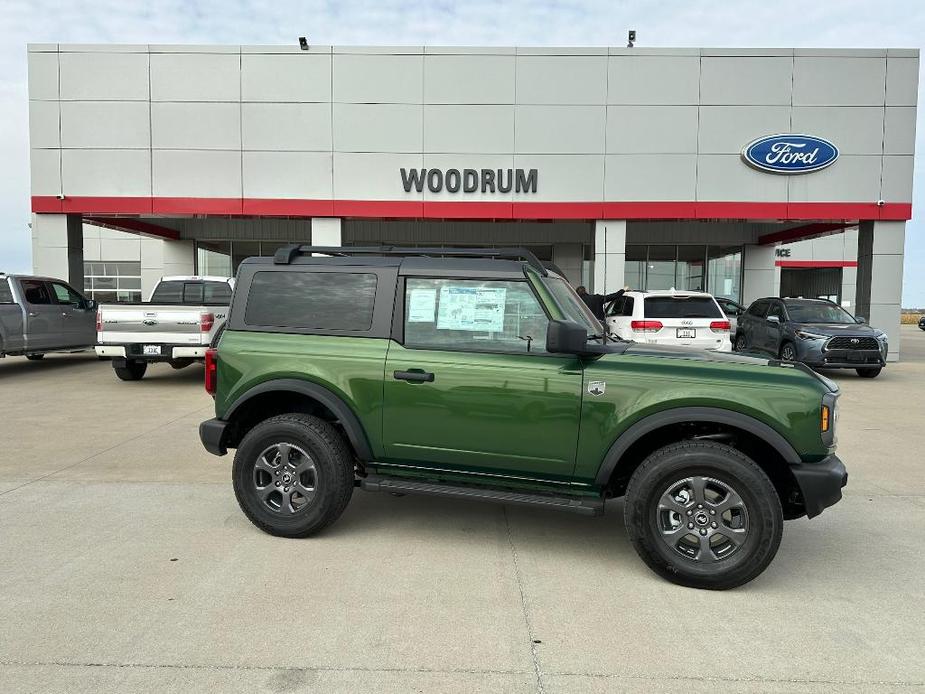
(35, 357)
(132, 371)
(727, 465)
(333, 461)
(869, 373)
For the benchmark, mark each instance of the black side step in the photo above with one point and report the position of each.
(586, 506)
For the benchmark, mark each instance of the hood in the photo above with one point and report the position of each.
(836, 329)
(644, 350)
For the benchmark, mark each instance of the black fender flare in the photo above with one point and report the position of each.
(356, 434)
(693, 414)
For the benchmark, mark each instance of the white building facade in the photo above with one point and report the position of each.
(622, 166)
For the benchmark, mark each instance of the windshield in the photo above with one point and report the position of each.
(818, 313)
(572, 305)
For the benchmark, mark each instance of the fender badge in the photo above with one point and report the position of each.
(597, 387)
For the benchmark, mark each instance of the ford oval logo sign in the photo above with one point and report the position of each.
(790, 154)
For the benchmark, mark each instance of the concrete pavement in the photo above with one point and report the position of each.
(126, 565)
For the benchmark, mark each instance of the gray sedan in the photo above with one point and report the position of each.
(817, 332)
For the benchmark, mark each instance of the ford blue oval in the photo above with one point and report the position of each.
(790, 154)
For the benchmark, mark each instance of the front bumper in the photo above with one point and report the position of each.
(820, 483)
(211, 433)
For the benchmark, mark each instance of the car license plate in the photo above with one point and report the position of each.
(152, 350)
(686, 333)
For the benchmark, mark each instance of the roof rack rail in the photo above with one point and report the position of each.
(286, 254)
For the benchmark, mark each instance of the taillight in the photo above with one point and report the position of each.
(720, 326)
(99, 321)
(206, 321)
(211, 370)
(646, 326)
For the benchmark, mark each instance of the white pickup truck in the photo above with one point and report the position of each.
(176, 325)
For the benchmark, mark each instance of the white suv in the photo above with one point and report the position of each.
(690, 319)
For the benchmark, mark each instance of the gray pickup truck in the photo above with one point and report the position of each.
(43, 314)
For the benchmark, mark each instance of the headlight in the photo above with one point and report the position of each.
(880, 335)
(804, 335)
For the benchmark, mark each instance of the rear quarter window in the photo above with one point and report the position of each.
(681, 307)
(336, 301)
(6, 294)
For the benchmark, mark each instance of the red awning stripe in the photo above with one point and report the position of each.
(476, 209)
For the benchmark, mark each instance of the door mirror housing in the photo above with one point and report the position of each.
(774, 319)
(566, 337)
(90, 304)
(860, 319)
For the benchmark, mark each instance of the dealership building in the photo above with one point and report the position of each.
(743, 172)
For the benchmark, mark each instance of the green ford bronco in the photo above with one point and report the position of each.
(480, 374)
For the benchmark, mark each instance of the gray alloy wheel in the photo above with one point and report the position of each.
(702, 519)
(788, 352)
(285, 478)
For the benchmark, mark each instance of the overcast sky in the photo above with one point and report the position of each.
(743, 23)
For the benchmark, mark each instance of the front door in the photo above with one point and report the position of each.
(79, 323)
(43, 317)
(473, 390)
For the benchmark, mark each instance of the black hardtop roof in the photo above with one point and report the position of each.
(495, 262)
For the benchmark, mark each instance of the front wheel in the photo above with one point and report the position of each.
(35, 357)
(293, 475)
(702, 514)
(132, 371)
(869, 373)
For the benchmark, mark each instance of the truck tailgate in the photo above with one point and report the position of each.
(179, 325)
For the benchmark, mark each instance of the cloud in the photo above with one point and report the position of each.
(746, 23)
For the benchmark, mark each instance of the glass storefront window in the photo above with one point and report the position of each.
(112, 281)
(660, 267)
(689, 271)
(724, 271)
(213, 258)
(634, 272)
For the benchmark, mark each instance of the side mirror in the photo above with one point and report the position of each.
(566, 337)
(90, 304)
(860, 319)
(774, 319)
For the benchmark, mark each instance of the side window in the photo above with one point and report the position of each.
(777, 309)
(621, 307)
(6, 294)
(216, 293)
(474, 315)
(35, 292)
(758, 309)
(336, 301)
(65, 295)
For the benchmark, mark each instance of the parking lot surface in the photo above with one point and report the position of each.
(127, 566)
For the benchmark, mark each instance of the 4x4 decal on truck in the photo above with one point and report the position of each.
(597, 387)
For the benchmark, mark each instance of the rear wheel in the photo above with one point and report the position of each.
(35, 357)
(132, 371)
(180, 363)
(741, 344)
(869, 373)
(788, 352)
(702, 514)
(293, 475)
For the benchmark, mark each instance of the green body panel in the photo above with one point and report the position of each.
(511, 414)
(517, 420)
(786, 399)
(349, 367)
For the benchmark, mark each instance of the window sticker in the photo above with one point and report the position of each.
(471, 308)
(422, 305)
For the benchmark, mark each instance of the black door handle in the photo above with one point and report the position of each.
(414, 376)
